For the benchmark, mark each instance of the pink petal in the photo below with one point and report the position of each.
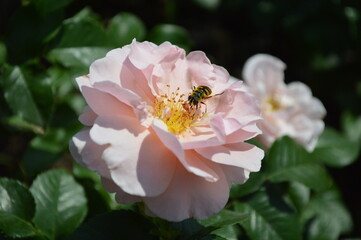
(138, 162)
(264, 74)
(240, 106)
(138, 70)
(143, 54)
(100, 102)
(190, 196)
(241, 154)
(218, 126)
(87, 153)
(200, 69)
(198, 165)
(302, 93)
(87, 117)
(223, 124)
(318, 127)
(136, 80)
(190, 161)
(121, 196)
(235, 175)
(316, 109)
(204, 136)
(243, 134)
(126, 96)
(171, 76)
(108, 68)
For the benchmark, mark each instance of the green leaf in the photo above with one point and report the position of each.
(54, 140)
(299, 195)
(39, 32)
(254, 183)
(19, 97)
(63, 81)
(60, 203)
(192, 229)
(229, 232)
(81, 41)
(119, 224)
(20, 123)
(287, 161)
(99, 200)
(335, 150)
(16, 209)
(352, 126)
(328, 216)
(82, 30)
(48, 6)
(41, 86)
(224, 218)
(123, 28)
(36, 160)
(77, 57)
(85, 14)
(2, 53)
(172, 33)
(208, 4)
(15, 198)
(266, 221)
(15, 227)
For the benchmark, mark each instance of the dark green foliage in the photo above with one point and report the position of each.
(288, 161)
(45, 45)
(60, 203)
(120, 224)
(17, 208)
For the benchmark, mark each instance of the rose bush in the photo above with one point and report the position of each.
(287, 109)
(148, 143)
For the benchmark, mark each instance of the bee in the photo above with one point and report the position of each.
(199, 94)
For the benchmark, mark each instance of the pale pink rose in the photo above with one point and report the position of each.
(287, 109)
(149, 144)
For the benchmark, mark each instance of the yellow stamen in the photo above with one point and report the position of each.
(272, 104)
(175, 112)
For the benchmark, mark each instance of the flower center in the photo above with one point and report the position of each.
(272, 104)
(173, 109)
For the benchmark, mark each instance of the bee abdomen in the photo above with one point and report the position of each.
(198, 95)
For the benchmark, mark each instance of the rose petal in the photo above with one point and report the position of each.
(108, 68)
(126, 96)
(188, 159)
(171, 77)
(235, 175)
(100, 102)
(241, 106)
(241, 154)
(202, 136)
(190, 196)
(87, 117)
(143, 54)
(264, 74)
(136, 80)
(198, 165)
(135, 164)
(88, 153)
(316, 109)
(121, 196)
(243, 134)
(318, 127)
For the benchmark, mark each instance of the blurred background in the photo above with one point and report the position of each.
(44, 45)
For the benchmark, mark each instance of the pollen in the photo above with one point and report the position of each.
(173, 109)
(272, 104)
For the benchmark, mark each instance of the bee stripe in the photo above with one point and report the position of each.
(198, 95)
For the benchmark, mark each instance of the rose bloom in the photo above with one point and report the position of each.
(287, 109)
(148, 143)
